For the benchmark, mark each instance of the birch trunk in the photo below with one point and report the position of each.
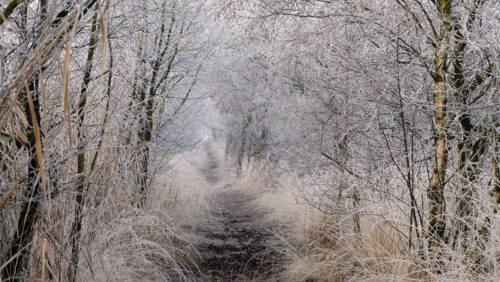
(437, 203)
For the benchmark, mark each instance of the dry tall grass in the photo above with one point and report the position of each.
(326, 247)
(152, 244)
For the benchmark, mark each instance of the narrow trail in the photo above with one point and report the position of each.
(239, 247)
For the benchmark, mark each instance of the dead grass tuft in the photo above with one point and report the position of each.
(332, 254)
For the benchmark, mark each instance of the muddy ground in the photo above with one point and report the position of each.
(239, 246)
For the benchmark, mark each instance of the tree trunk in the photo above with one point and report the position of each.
(243, 144)
(80, 193)
(20, 246)
(472, 142)
(496, 175)
(145, 136)
(29, 95)
(435, 194)
(496, 150)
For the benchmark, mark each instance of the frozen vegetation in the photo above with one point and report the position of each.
(249, 140)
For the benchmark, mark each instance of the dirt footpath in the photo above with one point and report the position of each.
(240, 248)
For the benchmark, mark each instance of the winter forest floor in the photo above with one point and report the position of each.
(238, 246)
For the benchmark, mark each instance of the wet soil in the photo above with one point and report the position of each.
(239, 248)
